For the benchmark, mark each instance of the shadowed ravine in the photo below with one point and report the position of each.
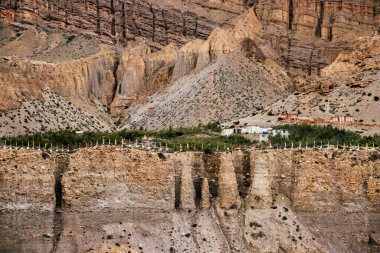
(58, 222)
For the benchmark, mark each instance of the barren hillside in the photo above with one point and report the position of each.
(233, 86)
(349, 86)
(157, 64)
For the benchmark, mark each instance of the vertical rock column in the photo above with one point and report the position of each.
(260, 193)
(205, 202)
(187, 196)
(228, 194)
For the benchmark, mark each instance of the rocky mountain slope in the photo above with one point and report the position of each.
(34, 60)
(152, 82)
(92, 75)
(52, 81)
(261, 201)
(233, 86)
(349, 86)
(307, 35)
(214, 80)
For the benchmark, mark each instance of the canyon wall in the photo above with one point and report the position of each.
(89, 78)
(27, 181)
(262, 173)
(122, 199)
(120, 21)
(141, 84)
(330, 20)
(306, 35)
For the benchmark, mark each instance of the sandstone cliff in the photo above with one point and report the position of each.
(357, 64)
(301, 37)
(209, 78)
(161, 21)
(142, 73)
(29, 178)
(349, 86)
(55, 76)
(262, 201)
(306, 35)
(88, 77)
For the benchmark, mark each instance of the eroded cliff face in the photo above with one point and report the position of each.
(302, 37)
(54, 81)
(262, 201)
(142, 73)
(347, 86)
(329, 20)
(306, 35)
(88, 78)
(120, 21)
(222, 78)
(29, 178)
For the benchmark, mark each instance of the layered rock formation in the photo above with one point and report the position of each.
(357, 67)
(289, 201)
(47, 76)
(54, 66)
(349, 86)
(142, 73)
(29, 178)
(330, 20)
(302, 36)
(187, 59)
(306, 35)
(161, 21)
(209, 78)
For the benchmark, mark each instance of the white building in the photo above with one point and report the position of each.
(343, 120)
(245, 130)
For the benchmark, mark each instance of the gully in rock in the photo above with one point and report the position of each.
(58, 220)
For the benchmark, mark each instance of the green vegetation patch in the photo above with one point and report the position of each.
(200, 138)
(326, 134)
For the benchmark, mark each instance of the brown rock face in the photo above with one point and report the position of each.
(329, 20)
(142, 73)
(261, 201)
(309, 35)
(131, 71)
(153, 184)
(228, 193)
(27, 181)
(348, 86)
(162, 22)
(209, 78)
(362, 59)
(55, 62)
(187, 59)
